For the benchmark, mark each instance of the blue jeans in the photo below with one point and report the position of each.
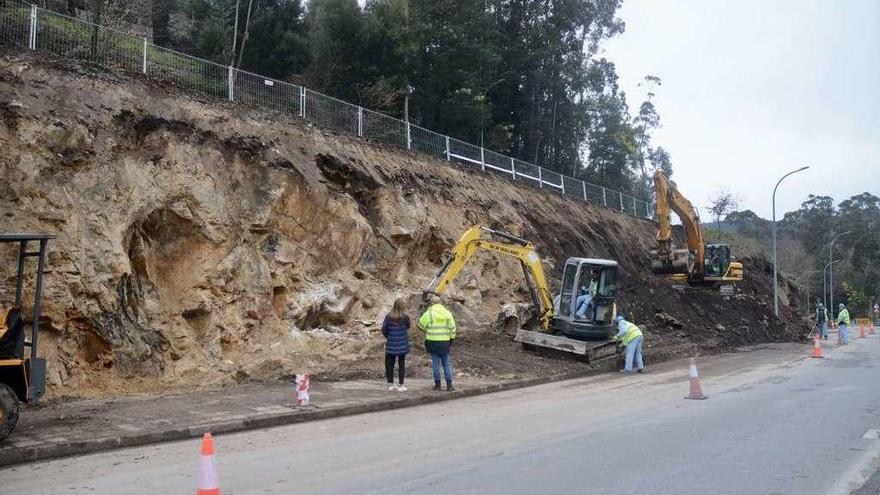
(823, 330)
(844, 337)
(634, 349)
(582, 303)
(436, 361)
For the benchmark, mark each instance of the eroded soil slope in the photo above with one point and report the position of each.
(202, 243)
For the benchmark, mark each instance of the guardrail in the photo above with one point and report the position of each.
(29, 26)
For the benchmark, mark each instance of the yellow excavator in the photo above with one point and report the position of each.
(579, 320)
(699, 265)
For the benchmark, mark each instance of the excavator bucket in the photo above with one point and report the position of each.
(678, 261)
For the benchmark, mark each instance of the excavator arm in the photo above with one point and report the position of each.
(523, 250)
(667, 259)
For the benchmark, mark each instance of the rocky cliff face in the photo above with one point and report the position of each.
(201, 243)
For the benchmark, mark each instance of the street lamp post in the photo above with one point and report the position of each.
(831, 268)
(775, 276)
(824, 286)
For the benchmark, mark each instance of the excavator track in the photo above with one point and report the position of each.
(592, 352)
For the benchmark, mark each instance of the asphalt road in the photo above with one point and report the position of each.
(775, 423)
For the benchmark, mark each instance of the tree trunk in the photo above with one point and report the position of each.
(98, 6)
(234, 34)
(406, 63)
(161, 18)
(244, 37)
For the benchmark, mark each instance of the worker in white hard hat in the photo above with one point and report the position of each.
(630, 336)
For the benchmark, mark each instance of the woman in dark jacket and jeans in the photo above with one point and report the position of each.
(395, 328)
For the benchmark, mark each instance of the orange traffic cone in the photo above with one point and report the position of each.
(208, 470)
(861, 331)
(696, 391)
(817, 348)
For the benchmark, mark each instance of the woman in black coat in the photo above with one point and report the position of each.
(395, 328)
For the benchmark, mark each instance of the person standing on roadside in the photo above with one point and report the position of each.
(440, 332)
(842, 323)
(395, 328)
(822, 320)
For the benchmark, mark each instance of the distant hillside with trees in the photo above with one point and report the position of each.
(803, 237)
(522, 77)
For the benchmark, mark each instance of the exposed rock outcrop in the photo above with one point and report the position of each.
(200, 243)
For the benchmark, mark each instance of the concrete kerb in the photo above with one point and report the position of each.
(65, 449)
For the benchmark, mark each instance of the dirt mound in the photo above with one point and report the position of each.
(202, 244)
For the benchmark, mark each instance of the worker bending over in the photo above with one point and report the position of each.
(630, 336)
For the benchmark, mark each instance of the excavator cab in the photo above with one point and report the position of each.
(585, 307)
(717, 260)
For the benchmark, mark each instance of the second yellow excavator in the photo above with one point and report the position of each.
(700, 265)
(580, 320)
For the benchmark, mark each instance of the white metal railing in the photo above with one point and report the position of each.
(34, 28)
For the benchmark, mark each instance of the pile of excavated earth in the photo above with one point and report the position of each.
(202, 243)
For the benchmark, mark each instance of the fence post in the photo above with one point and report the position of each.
(482, 160)
(562, 182)
(408, 137)
(635, 210)
(231, 84)
(585, 190)
(360, 122)
(447, 149)
(604, 198)
(32, 31)
(512, 168)
(302, 101)
(621, 201)
(144, 70)
(540, 178)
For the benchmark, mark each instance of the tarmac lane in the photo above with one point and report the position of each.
(776, 422)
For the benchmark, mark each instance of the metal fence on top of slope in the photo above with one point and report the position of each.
(29, 26)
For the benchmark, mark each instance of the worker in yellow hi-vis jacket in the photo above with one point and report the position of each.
(630, 336)
(439, 327)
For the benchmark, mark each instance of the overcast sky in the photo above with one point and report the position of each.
(753, 89)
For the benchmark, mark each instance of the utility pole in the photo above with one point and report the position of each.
(775, 276)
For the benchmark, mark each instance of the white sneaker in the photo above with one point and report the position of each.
(392, 388)
(401, 389)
